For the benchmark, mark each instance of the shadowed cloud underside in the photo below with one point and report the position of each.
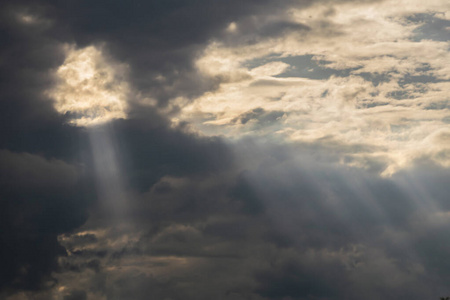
(230, 150)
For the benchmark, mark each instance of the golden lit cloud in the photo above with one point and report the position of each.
(91, 89)
(363, 74)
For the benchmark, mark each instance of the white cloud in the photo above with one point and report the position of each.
(388, 90)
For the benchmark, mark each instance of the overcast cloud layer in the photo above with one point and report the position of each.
(224, 150)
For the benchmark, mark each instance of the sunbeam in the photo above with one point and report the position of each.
(91, 92)
(230, 150)
(109, 176)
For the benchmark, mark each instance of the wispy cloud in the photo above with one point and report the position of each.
(358, 75)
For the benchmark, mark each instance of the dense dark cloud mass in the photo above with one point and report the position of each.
(285, 228)
(41, 195)
(40, 199)
(152, 205)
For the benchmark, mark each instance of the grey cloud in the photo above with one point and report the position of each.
(290, 279)
(438, 105)
(282, 27)
(304, 66)
(151, 153)
(254, 28)
(76, 295)
(40, 199)
(432, 27)
(43, 188)
(159, 39)
(208, 219)
(260, 115)
(300, 229)
(26, 170)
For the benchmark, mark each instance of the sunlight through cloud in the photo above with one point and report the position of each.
(91, 88)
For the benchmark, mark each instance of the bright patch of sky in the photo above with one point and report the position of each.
(374, 75)
(91, 89)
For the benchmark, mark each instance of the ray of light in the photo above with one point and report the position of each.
(92, 91)
(109, 179)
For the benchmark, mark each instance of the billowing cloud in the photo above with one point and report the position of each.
(40, 199)
(360, 74)
(224, 150)
(284, 227)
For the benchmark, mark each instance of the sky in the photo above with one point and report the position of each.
(230, 150)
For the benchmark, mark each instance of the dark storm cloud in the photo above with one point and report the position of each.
(151, 152)
(28, 121)
(155, 38)
(161, 38)
(42, 188)
(27, 170)
(76, 295)
(41, 194)
(322, 207)
(43, 198)
(210, 220)
(39, 200)
(296, 281)
(338, 234)
(285, 227)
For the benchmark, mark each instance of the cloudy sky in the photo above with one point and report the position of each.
(230, 150)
